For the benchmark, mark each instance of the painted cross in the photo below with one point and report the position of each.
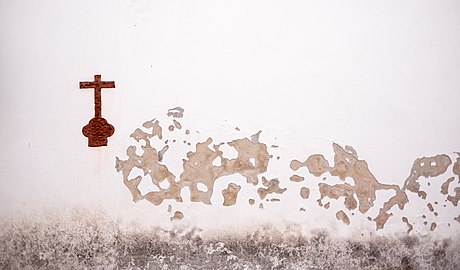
(98, 129)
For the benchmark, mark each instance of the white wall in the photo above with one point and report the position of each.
(381, 76)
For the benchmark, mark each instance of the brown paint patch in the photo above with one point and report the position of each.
(275, 200)
(177, 124)
(337, 191)
(346, 164)
(187, 132)
(255, 137)
(171, 128)
(426, 167)
(342, 217)
(317, 165)
(252, 160)
(296, 178)
(295, 165)
(327, 205)
(456, 168)
(230, 194)
(169, 208)
(320, 203)
(381, 219)
(149, 162)
(445, 186)
(261, 206)
(304, 192)
(156, 130)
(422, 194)
(430, 207)
(457, 219)
(162, 152)
(351, 150)
(433, 226)
(178, 215)
(176, 112)
(272, 187)
(251, 201)
(409, 226)
(454, 199)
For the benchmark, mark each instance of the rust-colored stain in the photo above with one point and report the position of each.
(98, 129)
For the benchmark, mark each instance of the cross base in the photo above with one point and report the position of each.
(97, 131)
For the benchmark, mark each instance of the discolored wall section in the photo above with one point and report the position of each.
(204, 164)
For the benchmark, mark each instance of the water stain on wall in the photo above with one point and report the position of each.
(88, 240)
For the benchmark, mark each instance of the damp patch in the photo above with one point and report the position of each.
(89, 240)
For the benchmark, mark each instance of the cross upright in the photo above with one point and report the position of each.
(97, 85)
(98, 129)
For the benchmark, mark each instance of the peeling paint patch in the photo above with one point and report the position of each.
(433, 226)
(296, 178)
(343, 217)
(454, 199)
(426, 167)
(456, 168)
(304, 193)
(198, 168)
(176, 112)
(230, 194)
(205, 162)
(409, 226)
(445, 186)
(272, 186)
(178, 215)
(346, 164)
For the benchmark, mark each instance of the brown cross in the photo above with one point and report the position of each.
(98, 129)
(97, 85)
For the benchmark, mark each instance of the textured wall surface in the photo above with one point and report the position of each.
(248, 135)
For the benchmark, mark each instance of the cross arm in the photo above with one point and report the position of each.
(87, 85)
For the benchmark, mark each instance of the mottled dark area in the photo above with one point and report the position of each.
(93, 241)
